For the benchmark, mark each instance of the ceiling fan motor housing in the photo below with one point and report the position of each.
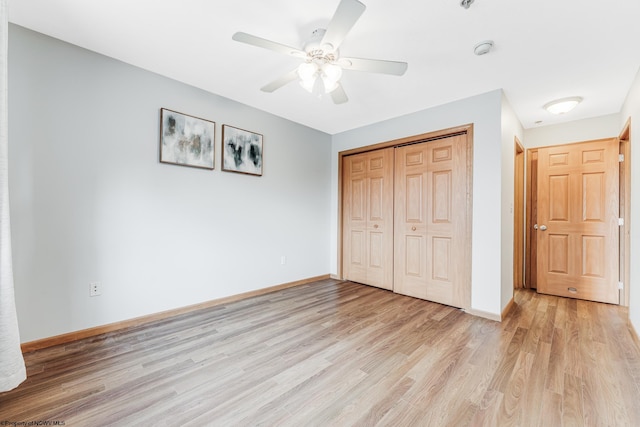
(316, 51)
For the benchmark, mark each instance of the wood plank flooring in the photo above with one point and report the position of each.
(336, 353)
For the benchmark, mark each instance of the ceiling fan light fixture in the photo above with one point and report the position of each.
(322, 68)
(308, 73)
(563, 105)
(331, 75)
(332, 71)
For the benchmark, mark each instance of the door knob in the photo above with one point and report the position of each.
(543, 227)
(535, 226)
(375, 226)
(413, 228)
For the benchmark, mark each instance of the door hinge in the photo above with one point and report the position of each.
(620, 158)
(620, 222)
(620, 285)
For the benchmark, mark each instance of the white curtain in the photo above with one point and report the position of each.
(12, 369)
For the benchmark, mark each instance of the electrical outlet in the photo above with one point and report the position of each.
(95, 289)
(283, 260)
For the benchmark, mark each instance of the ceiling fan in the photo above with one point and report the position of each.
(322, 67)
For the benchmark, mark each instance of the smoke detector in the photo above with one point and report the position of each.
(483, 48)
(466, 3)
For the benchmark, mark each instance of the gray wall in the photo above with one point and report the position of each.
(574, 131)
(91, 202)
(511, 128)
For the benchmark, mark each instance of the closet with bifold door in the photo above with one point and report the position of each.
(406, 215)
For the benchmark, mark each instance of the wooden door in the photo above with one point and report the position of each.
(578, 220)
(430, 225)
(368, 218)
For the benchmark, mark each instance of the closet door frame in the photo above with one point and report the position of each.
(425, 137)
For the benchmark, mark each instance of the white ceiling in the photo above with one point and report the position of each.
(544, 49)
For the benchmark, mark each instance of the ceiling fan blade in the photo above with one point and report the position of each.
(338, 95)
(343, 20)
(268, 44)
(281, 81)
(395, 68)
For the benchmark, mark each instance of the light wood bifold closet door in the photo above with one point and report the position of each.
(430, 220)
(368, 218)
(405, 216)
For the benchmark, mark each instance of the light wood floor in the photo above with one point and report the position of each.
(338, 353)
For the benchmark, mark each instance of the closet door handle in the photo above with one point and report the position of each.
(413, 228)
(375, 226)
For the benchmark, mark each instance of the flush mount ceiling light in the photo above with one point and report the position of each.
(564, 105)
(483, 47)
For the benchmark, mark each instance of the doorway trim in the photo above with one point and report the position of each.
(518, 216)
(625, 212)
(531, 264)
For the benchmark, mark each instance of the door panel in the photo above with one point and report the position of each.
(578, 204)
(410, 220)
(355, 251)
(593, 256)
(559, 253)
(441, 250)
(414, 209)
(414, 256)
(441, 194)
(376, 192)
(593, 195)
(559, 198)
(355, 211)
(358, 200)
(368, 218)
(430, 220)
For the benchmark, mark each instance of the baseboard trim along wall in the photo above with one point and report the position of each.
(131, 323)
(484, 314)
(507, 309)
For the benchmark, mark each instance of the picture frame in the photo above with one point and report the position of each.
(242, 151)
(186, 140)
